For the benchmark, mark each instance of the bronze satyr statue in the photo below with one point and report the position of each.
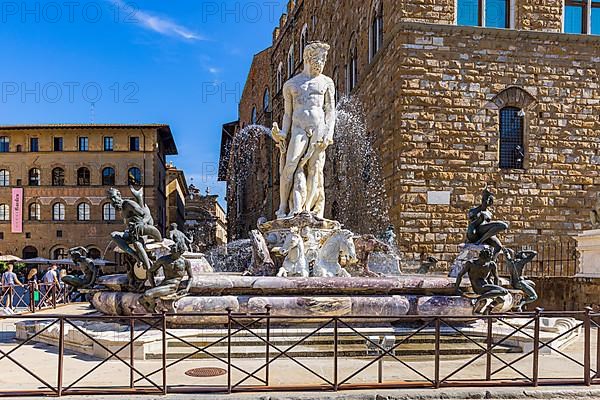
(138, 219)
(179, 237)
(485, 282)
(516, 264)
(481, 229)
(175, 268)
(87, 266)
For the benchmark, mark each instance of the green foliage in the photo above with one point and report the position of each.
(17, 267)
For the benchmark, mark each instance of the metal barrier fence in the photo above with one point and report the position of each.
(33, 296)
(128, 375)
(557, 259)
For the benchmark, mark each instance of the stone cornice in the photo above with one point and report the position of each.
(497, 33)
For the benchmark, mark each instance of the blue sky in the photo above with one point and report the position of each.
(180, 62)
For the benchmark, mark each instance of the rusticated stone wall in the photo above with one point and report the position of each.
(539, 15)
(432, 96)
(569, 294)
(442, 134)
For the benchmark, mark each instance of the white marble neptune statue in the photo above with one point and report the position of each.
(306, 132)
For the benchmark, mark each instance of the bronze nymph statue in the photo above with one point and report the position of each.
(175, 269)
(481, 229)
(483, 274)
(79, 255)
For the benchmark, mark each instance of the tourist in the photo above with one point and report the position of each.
(61, 275)
(9, 281)
(51, 277)
(32, 278)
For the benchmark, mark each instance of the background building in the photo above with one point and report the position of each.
(205, 219)
(177, 192)
(64, 172)
(456, 94)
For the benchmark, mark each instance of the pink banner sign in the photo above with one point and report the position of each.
(17, 210)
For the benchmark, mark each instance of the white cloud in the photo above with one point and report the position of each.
(158, 24)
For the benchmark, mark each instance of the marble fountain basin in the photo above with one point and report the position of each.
(386, 298)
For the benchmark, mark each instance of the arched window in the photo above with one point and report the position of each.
(108, 176)
(83, 212)
(94, 254)
(290, 62)
(303, 41)
(108, 212)
(83, 177)
(376, 30)
(59, 254)
(253, 116)
(351, 70)
(4, 212)
(58, 212)
(4, 177)
(29, 252)
(512, 151)
(336, 83)
(266, 100)
(34, 212)
(134, 176)
(34, 177)
(279, 77)
(58, 177)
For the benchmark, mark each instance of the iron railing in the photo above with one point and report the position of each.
(33, 296)
(336, 371)
(557, 259)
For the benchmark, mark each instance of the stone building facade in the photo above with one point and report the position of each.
(205, 221)
(457, 96)
(176, 192)
(64, 172)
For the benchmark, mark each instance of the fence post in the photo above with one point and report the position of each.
(31, 297)
(228, 350)
(61, 353)
(437, 353)
(164, 352)
(11, 296)
(335, 354)
(488, 369)
(597, 350)
(53, 295)
(587, 379)
(536, 346)
(268, 344)
(131, 352)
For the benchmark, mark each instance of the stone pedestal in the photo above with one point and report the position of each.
(199, 263)
(588, 245)
(276, 231)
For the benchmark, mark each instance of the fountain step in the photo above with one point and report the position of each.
(416, 350)
(239, 341)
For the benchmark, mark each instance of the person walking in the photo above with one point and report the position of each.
(32, 284)
(9, 281)
(51, 277)
(50, 283)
